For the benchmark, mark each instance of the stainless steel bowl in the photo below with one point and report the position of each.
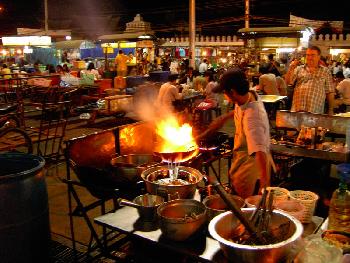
(181, 218)
(222, 227)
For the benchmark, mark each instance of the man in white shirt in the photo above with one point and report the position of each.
(168, 93)
(343, 89)
(203, 67)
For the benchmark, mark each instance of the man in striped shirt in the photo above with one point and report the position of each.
(313, 84)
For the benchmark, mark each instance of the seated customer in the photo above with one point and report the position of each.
(91, 70)
(168, 93)
(210, 96)
(267, 82)
(343, 90)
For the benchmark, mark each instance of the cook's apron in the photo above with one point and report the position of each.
(244, 171)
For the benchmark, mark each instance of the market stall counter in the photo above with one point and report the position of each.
(310, 144)
(201, 247)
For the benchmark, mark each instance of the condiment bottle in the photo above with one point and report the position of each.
(339, 208)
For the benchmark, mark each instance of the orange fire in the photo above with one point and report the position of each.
(177, 143)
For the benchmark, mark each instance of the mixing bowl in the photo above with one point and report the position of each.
(181, 218)
(224, 225)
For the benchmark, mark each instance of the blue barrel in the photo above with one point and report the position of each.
(24, 209)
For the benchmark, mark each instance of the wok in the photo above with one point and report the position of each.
(129, 167)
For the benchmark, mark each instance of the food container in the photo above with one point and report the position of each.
(146, 205)
(216, 205)
(222, 227)
(180, 219)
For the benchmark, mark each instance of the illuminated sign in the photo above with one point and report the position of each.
(119, 45)
(27, 41)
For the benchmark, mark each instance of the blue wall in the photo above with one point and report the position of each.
(97, 52)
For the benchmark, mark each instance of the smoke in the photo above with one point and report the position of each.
(145, 106)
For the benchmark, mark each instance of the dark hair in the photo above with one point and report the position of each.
(235, 79)
(339, 75)
(91, 66)
(210, 75)
(120, 51)
(270, 56)
(315, 48)
(264, 69)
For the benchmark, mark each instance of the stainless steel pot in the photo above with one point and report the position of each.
(182, 218)
(152, 177)
(216, 205)
(222, 227)
(146, 205)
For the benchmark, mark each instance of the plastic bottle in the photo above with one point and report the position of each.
(339, 208)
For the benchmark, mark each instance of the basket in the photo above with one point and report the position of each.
(279, 194)
(308, 199)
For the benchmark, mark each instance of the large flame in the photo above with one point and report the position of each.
(177, 143)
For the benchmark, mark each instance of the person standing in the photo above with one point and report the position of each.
(273, 66)
(313, 84)
(121, 63)
(251, 151)
(203, 67)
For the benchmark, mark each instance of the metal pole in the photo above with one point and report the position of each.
(192, 31)
(46, 16)
(246, 14)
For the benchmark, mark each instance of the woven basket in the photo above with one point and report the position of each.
(279, 193)
(308, 199)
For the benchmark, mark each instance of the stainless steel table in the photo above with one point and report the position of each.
(201, 248)
(126, 220)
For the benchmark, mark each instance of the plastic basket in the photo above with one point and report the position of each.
(308, 199)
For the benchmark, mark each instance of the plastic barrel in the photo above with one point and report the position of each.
(24, 209)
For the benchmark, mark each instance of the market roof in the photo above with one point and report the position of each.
(253, 32)
(70, 44)
(127, 36)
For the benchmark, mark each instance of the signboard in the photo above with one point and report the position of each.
(108, 50)
(145, 43)
(27, 41)
(120, 45)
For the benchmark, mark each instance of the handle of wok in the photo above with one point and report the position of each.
(124, 202)
(235, 210)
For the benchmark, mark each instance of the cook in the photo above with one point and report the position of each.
(251, 154)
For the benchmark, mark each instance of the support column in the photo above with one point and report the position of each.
(192, 31)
